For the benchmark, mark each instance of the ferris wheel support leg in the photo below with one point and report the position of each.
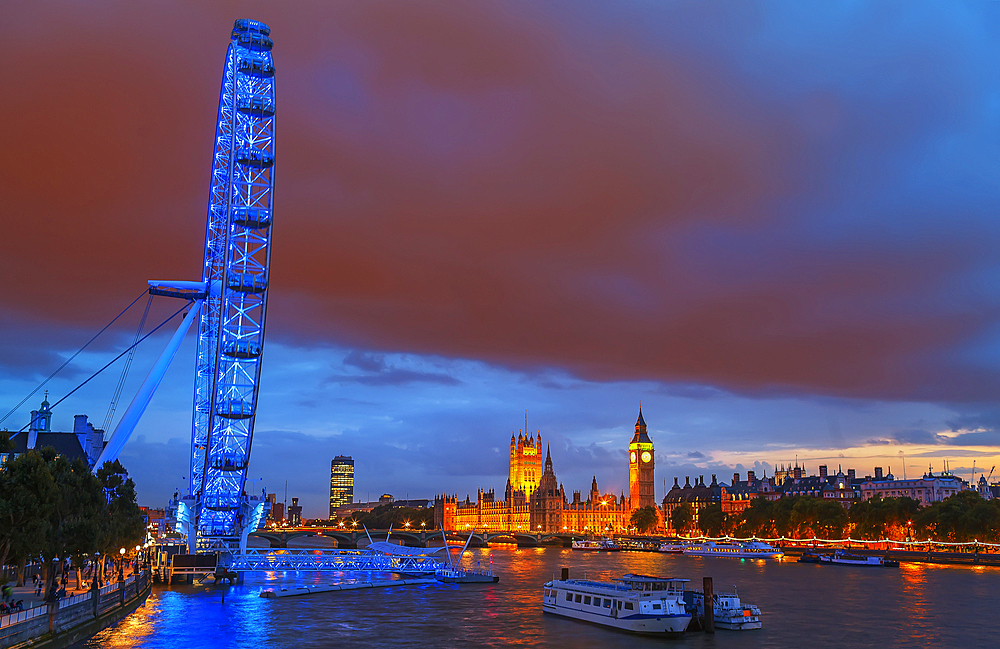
(142, 398)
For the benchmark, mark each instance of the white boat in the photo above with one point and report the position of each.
(466, 576)
(740, 550)
(633, 603)
(730, 612)
(842, 558)
(605, 545)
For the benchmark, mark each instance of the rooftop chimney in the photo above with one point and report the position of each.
(822, 470)
(736, 478)
(751, 475)
(878, 473)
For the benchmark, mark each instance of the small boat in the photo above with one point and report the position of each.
(751, 550)
(605, 545)
(730, 613)
(633, 603)
(842, 558)
(811, 557)
(672, 548)
(465, 576)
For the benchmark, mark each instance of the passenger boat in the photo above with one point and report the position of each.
(605, 545)
(730, 612)
(466, 576)
(672, 548)
(633, 603)
(842, 558)
(750, 550)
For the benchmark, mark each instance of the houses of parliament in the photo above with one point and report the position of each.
(534, 500)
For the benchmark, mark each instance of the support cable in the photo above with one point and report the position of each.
(69, 360)
(128, 363)
(112, 361)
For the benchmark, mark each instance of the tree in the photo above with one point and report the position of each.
(27, 494)
(384, 515)
(681, 518)
(712, 520)
(73, 517)
(645, 519)
(121, 523)
(757, 519)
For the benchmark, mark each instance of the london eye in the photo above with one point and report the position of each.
(235, 274)
(230, 303)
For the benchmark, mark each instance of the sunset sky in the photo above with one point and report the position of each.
(775, 224)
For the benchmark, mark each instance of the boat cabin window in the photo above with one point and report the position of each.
(628, 605)
(656, 606)
(577, 599)
(586, 600)
(607, 603)
(569, 597)
(619, 604)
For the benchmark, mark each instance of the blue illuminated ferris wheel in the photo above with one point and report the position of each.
(235, 272)
(230, 303)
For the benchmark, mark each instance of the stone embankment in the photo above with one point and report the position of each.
(70, 620)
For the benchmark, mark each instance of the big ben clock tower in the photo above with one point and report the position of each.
(640, 467)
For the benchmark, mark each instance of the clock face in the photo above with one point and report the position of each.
(647, 456)
(631, 457)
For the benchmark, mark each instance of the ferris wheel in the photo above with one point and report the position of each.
(230, 303)
(235, 274)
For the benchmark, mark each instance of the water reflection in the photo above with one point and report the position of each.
(916, 605)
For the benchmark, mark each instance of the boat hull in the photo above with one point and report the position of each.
(642, 624)
(735, 555)
(738, 623)
(469, 579)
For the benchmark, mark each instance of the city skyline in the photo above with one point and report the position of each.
(774, 232)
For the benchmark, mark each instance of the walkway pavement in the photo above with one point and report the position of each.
(27, 592)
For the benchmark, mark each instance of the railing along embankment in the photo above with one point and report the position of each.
(67, 621)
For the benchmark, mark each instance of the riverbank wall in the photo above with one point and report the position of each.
(68, 621)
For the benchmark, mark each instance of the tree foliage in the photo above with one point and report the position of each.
(681, 518)
(57, 509)
(384, 515)
(712, 520)
(645, 519)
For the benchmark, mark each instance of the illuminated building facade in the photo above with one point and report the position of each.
(341, 483)
(535, 501)
(525, 462)
(641, 460)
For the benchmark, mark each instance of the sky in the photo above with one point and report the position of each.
(772, 223)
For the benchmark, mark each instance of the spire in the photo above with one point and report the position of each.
(548, 460)
(640, 423)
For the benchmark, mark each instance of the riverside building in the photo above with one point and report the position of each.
(85, 442)
(535, 501)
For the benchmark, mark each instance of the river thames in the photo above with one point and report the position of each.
(916, 605)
